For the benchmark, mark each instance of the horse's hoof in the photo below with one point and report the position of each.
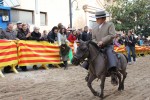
(119, 88)
(122, 87)
(101, 96)
(95, 93)
(98, 94)
(87, 78)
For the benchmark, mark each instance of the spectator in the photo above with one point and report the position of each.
(85, 34)
(121, 40)
(44, 35)
(60, 26)
(63, 36)
(1, 36)
(36, 35)
(79, 35)
(139, 41)
(64, 48)
(69, 31)
(24, 33)
(116, 41)
(130, 46)
(19, 26)
(9, 33)
(89, 36)
(72, 37)
(52, 35)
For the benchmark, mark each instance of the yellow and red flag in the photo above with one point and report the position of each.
(8, 53)
(34, 52)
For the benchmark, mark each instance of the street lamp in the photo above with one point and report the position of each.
(70, 10)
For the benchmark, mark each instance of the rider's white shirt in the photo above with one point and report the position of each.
(100, 25)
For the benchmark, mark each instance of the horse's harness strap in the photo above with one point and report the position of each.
(91, 61)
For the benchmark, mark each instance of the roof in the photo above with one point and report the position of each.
(11, 3)
(5, 8)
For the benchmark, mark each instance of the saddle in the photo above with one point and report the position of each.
(103, 50)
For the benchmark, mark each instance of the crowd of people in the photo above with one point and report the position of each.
(130, 40)
(58, 34)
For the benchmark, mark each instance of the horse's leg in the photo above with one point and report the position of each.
(119, 77)
(124, 73)
(103, 77)
(90, 80)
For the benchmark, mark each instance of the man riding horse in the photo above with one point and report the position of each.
(103, 34)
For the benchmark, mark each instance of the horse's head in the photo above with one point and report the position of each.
(81, 53)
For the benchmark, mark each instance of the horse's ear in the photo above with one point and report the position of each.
(88, 41)
(80, 41)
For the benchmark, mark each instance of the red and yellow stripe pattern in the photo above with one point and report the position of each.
(8, 53)
(33, 52)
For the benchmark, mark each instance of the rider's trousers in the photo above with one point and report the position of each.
(112, 59)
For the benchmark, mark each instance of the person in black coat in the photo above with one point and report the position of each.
(85, 34)
(79, 35)
(36, 35)
(52, 35)
(89, 37)
(24, 34)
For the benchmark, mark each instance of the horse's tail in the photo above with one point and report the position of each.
(126, 57)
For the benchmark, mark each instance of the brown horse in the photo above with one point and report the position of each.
(98, 66)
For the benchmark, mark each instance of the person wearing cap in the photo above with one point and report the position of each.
(103, 34)
(19, 26)
(24, 34)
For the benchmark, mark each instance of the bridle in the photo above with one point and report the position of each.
(82, 59)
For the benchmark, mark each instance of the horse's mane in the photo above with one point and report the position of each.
(94, 44)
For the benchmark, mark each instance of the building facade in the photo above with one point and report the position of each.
(48, 13)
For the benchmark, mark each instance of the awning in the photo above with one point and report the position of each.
(11, 3)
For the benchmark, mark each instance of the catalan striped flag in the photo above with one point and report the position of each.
(34, 52)
(8, 53)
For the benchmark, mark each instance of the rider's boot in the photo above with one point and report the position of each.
(113, 73)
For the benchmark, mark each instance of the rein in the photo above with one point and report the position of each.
(91, 61)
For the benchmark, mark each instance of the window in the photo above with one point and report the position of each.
(22, 15)
(91, 23)
(43, 16)
(4, 12)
